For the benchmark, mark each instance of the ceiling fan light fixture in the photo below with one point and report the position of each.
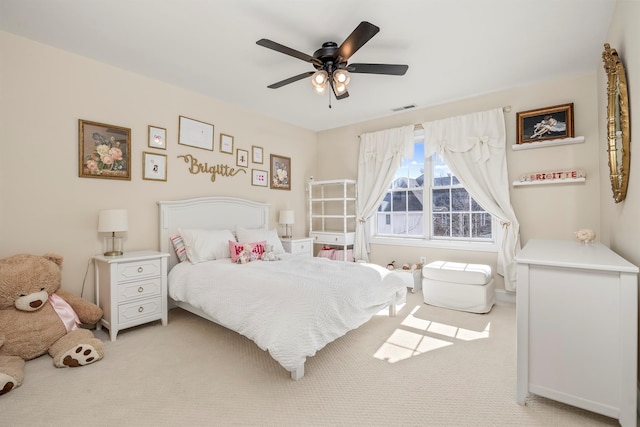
(342, 76)
(319, 79)
(340, 88)
(319, 89)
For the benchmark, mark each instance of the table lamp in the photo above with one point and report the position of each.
(112, 221)
(287, 219)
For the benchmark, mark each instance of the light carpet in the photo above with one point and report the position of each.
(426, 367)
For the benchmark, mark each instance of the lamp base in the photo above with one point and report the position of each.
(113, 253)
(112, 246)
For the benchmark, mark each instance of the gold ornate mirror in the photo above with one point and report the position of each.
(618, 137)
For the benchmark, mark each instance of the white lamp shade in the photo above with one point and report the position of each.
(286, 217)
(112, 220)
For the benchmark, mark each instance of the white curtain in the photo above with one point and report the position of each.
(380, 157)
(474, 147)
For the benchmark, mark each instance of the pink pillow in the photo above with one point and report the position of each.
(236, 248)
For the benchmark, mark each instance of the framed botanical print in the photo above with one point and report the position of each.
(280, 172)
(104, 151)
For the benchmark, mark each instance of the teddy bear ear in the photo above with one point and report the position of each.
(54, 257)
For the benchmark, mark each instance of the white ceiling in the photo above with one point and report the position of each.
(454, 48)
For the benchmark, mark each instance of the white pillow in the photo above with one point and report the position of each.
(259, 234)
(206, 245)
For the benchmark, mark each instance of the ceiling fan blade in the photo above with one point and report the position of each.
(288, 51)
(362, 34)
(391, 69)
(290, 80)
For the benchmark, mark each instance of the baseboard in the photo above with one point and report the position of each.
(504, 296)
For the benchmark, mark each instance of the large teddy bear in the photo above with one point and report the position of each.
(36, 317)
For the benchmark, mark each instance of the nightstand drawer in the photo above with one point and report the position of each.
(141, 289)
(139, 269)
(302, 247)
(147, 308)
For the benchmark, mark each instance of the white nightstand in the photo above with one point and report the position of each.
(302, 246)
(131, 289)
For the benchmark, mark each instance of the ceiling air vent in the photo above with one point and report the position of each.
(406, 107)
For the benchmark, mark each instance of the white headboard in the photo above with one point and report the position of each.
(214, 213)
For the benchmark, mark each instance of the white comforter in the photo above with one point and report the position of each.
(292, 307)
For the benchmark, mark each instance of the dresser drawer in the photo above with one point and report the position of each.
(141, 289)
(139, 269)
(139, 310)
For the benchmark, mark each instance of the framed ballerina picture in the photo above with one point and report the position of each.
(545, 123)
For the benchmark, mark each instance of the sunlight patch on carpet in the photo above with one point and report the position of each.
(403, 344)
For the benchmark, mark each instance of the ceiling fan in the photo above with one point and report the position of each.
(330, 62)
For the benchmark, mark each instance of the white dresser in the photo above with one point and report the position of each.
(577, 324)
(131, 289)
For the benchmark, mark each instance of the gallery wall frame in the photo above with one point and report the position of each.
(280, 172)
(242, 158)
(257, 154)
(154, 166)
(195, 133)
(226, 143)
(545, 123)
(157, 137)
(259, 178)
(104, 151)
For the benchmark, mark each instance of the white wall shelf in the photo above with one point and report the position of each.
(548, 143)
(549, 181)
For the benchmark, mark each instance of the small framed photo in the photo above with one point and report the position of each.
(545, 123)
(157, 137)
(242, 158)
(280, 172)
(104, 151)
(259, 177)
(256, 154)
(154, 166)
(226, 143)
(195, 133)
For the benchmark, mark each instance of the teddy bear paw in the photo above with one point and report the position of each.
(80, 355)
(7, 383)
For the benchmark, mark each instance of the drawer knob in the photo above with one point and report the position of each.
(140, 309)
(336, 239)
(140, 269)
(140, 289)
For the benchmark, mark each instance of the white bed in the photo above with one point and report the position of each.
(292, 307)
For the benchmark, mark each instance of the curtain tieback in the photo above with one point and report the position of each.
(505, 224)
(362, 220)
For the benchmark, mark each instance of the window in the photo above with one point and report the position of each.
(427, 205)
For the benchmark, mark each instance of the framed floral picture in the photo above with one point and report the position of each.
(259, 178)
(154, 166)
(104, 151)
(242, 158)
(157, 137)
(280, 172)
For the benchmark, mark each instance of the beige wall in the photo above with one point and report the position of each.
(549, 211)
(620, 224)
(46, 207)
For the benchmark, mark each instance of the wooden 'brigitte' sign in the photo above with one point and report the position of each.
(552, 175)
(196, 167)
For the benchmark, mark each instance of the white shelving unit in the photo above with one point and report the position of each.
(332, 213)
(548, 143)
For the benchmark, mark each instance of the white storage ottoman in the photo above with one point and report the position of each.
(458, 286)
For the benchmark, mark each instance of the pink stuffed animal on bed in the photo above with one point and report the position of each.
(247, 254)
